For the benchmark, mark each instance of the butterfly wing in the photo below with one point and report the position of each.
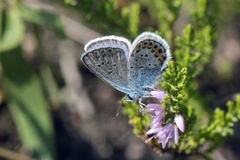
(107, 57)
(149, 57)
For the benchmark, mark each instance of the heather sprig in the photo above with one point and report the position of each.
(192, 53)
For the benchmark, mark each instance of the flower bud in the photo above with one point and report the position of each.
(179, 120)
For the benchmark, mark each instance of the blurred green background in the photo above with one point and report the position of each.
(52, 107)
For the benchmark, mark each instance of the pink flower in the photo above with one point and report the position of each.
(166, 134)
(156, 111)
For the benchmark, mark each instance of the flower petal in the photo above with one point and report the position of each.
(179, 120)
(154, 106)
(164, 145)
(158, 94)
(176, 136)
(153, 130)
(157, 120)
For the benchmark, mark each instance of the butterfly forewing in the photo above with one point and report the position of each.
(149, 57)
(107, 57)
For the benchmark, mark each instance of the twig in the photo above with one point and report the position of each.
(8, 154)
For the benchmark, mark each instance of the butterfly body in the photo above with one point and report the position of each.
(130, 68)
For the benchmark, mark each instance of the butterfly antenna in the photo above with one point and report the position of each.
(119, 109)
(118, 112)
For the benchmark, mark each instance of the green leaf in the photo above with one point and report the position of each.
(12, 29)
(28, 105)
(134, 19)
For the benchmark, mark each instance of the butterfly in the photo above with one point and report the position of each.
(132, 68)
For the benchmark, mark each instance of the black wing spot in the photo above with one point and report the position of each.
(160, 50)
(109, 49)
(102, 50)
(95, 52)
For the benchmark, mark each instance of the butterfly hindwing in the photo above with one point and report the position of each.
(149, 56)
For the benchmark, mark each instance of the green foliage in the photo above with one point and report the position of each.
(11, 26)
(71, 2)
(124, 21)
(133, 11)
(28, 105)
(222, 123)
(173, 87)
(140, 122)
(42, 18)
(26, 95)
(193, 52)
(168, 12)
(219, 127)
(200, 39)
(185, 54)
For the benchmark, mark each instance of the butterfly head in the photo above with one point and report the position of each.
(138, 95)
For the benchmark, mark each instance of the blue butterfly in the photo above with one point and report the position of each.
(133, 68)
